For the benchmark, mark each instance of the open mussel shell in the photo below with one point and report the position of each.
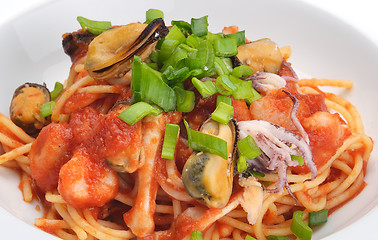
(208, 177)
(111, 53)
(25, 107)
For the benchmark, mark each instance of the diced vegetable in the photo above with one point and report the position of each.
(136, 112)
(152, 14)
(225, 47)
(248, 147)
(206, 143)
(224, 86)
(241, 163)
(199, 26)
(46, 109)
(147, 84)
(223, 113)
(196, 235)
(205, 88)
(242, 71)
(185, 99)
(95, 27)
(299, 159)
(58, 88)
(299, 227)
(317, 218)
(170, 141)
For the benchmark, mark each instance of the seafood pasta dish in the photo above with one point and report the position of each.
(170, 131)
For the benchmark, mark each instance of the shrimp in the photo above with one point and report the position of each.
(86, 182)
(49, 152)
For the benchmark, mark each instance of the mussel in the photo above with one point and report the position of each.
(208, 177)
(262, 55)
(111, 53)
(25, 107)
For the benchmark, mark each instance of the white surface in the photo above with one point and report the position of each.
(322, 46)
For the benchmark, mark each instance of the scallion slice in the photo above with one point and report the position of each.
(147, 84)
(152, 14)
(199, 26)
(206, 143)
(224, 86)
(225, 47)
(242, 71)
(221, 98)
(58, 88)
(205, 88)
(196, 235)
(176, 34)
(248, 237)
(317, 218)
(95, 27)
(170, 140)
(223, 66)
(223, 113)
(46, 109)
(248, 147)
(185, 99)
(136, 112)
(256, 174)
(183, 26)
(299, 227)
(239, 36)
(297, 158)
(241, 163)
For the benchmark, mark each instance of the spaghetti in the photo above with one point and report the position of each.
(85, 196)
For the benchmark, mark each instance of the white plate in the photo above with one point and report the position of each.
(323, 46)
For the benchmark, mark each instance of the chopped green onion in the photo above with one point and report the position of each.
(206, 143)
(170, 141)
(167, 48)
(223, 113)
(136, 112)
(317, 218)
(224, 86)
(175, 34)
(256, 174)
(199, 26)
(248, 237)
(299, 227)
(274, 237)
(244, 89)
(242, 71)
(147, 84)
(95, 27)
(299, 159)
(196, 235)
(256, 96)
(241, 163)
(183, 26)
(185, 99)
(239, 36)
(225, 47)
(152, 14)
(223, 66)
(206, 88)
(46, 109)
(221, 98)
(58, 88)
(248, 147)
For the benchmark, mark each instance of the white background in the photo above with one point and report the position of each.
(361, 14)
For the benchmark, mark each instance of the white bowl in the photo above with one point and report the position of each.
(323, 46)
